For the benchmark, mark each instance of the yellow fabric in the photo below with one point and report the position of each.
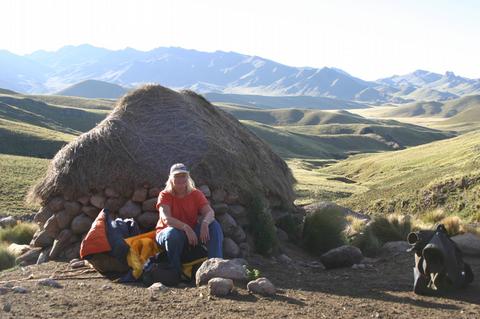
(142, 247)
(188, 267)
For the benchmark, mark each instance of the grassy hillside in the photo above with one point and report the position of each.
(94, 89)
(275, 102)
(295, 133)
(434, 109)
(18, 174)
(440, 174)
(37, 126)
(30, 127)
(294, 116)
(77, 102)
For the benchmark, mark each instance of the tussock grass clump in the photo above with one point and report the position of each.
(433, 217)
(381, 230)
(292, 226)
(355, 226)
(20, 234)
(7, 259)
(323, 230)
(476, 217)
(453, 225)
(262, 226)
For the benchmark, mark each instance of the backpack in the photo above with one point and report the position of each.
(158, 269)
(439, 266)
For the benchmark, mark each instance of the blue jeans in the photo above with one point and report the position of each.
(173, 241)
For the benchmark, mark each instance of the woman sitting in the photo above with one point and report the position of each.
(186, 216)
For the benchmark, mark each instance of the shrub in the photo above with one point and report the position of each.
(433, 217)
(262, 226)
(453, 225)
(291, 225)
(252, 273)
(355, 226)
(323, 230)
(7, 260)
(21, 233)
(391, 228)
(381, 230)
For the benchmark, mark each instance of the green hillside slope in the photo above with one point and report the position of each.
(18, 175)
(73, 101)
(434, 109)
(440, 174)
(33, 128)
(94, 89)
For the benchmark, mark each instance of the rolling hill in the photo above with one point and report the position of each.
(276, 102)
(442, 174)
(30, 127)
(94, 89)
(295, 133)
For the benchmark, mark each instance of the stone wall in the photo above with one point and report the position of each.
(64, 223)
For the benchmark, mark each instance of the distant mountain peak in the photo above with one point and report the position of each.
(219, 71)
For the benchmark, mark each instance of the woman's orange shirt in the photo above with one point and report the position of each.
(185, 209)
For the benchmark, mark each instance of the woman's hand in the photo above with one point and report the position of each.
(191, 236)
(204, 233)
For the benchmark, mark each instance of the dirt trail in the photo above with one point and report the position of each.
(381, 290)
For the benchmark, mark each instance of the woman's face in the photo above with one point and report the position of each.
(180, 181)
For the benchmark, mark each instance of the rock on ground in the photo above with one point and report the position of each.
(218, 267)
(344, 256)
(261, 286)
(468, 243)
(220, 286)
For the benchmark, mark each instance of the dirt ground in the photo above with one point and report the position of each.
(381, 290)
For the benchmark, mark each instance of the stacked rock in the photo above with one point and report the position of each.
(64, 223)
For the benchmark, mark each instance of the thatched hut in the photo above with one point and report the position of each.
(123, 163)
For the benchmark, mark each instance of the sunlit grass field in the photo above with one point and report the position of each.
(18, 174)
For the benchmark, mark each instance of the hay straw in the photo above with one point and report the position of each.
(154, 127)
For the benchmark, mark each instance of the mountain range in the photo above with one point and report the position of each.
(217, 72)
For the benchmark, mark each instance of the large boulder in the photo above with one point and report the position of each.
(468, 243)
(228, 223)
(148, 220)
(344, 256)
(394, 248)
(8, 222)
(130, 210)
(29, 257)
(230, 248)
(81, 224)
(217, 267)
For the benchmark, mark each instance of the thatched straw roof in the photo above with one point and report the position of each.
(154, 127)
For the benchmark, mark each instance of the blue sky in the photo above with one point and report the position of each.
(367, 38)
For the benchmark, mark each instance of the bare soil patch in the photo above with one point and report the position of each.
(380, 290)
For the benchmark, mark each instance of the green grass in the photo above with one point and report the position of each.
(29, 127)
(335, 142)
(323, 230)
(380, 230)
(18, 174)
(21, 234)
(59, 118)
(77, 102)
(412, 181)
(7, 260)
